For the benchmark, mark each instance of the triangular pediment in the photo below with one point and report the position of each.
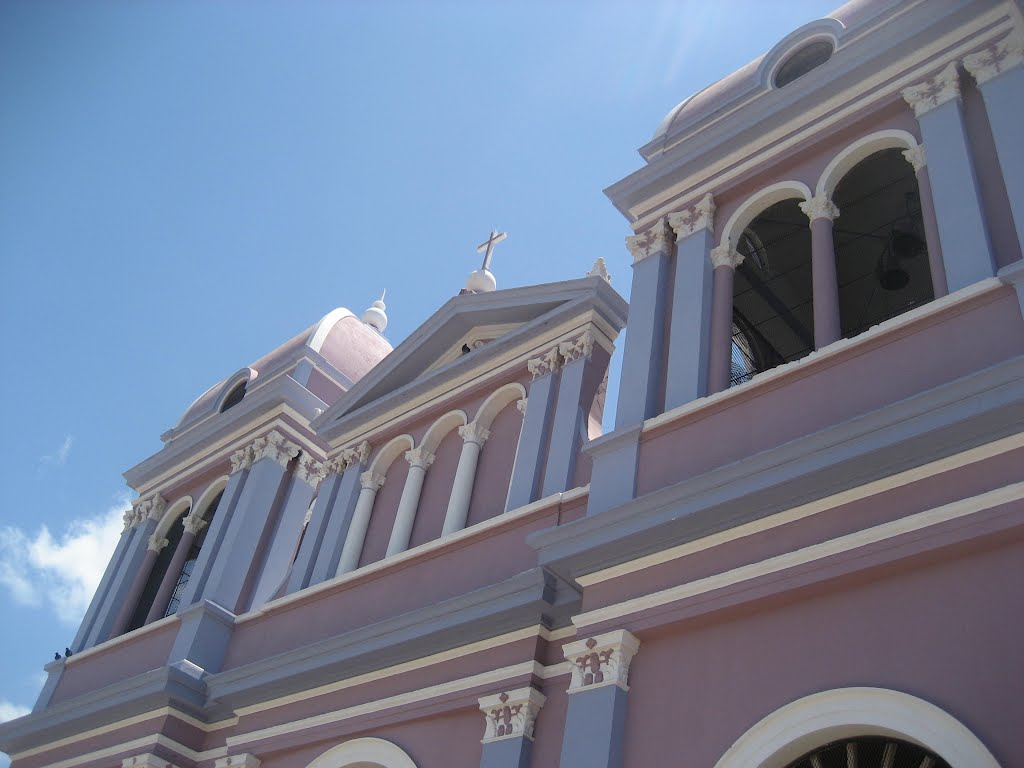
(468, 330)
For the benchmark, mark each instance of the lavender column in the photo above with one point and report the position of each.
(473, 436)
(824, 285)
(725, 261)
(193, 525)
(138, 584)
(370, 483)
(916, 157)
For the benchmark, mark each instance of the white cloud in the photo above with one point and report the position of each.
(9, 711)
(60, 572)
(60, 457)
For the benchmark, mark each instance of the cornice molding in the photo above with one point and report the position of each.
(935, 91)
(511, 714)
(601, 660)
(693, 219)
(725, 256)
(820, 207)
(999, 57)
(654, 240)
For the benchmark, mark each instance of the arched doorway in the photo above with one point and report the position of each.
(364, 753)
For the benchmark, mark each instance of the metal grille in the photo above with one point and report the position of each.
(190, 563)
(870, 752)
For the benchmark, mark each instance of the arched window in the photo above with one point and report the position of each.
(193, 555)
(156, 576)
(773, 315)
(802, 61)
(881, 255)
(870, 752)
(234, 397)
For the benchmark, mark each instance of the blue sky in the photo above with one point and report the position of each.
(185, 185)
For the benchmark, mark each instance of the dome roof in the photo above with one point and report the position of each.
(343, 340)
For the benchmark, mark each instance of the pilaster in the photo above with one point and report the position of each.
(508, 732)
(88, 631)
(531, 452)
(1000, 78)
(642, 354)
(690, 328)
(966, 251)
(596, 717)
(567, 424)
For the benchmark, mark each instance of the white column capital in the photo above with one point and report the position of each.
(654, 240)
(521, 405)
(697, 217)
(352, 456)
(371, 481)
(511, 714)
(245, 760)
(193, 524)
(148, 760)
(474, 433)
(916, 157)
(935, 91)
(547, 363)
(274, 446)
(241, 459)
(997, 58)
(157, 544)
(576, 349)
(601, 660)
(725, 256)
(820, 207)
(419, 457)
(311, 471)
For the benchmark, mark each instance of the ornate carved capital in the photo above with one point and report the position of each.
(600, 269)
(545, 364)
(130, 519)
(148, 760)
(512, 714)
(820, 207)
(725, 256)
(311, 471)
(353, 456)
(241, 459)
(419, 457)
(155, 544)
(934, 92)
(654, 240)
(997, 58)
(693, 219)
(916, 157)
(245, 760)
(274, 446)
(371, 481)
(193, 524)
(474, 433)
(579, 348)
(521, 405)
(601, 660)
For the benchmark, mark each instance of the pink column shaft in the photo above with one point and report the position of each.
(825, 286)
(163, 595)
(132, 598)
(931, 235)
(720, 354)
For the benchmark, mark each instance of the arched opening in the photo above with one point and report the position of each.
(364, 753)
(870, 752)
(234, 397)
(173, 535)
(803, 60)
(193, 555)
(773, 314)
(881, 254)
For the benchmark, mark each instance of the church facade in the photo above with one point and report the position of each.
(801, 546)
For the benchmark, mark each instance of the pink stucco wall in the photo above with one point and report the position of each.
(437, 490)
(494, 468)
(945, 630)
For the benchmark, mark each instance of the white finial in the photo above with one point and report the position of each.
(375, 316)
(600, 269)
(482, 281)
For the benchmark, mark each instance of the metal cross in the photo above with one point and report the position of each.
(488, 246)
